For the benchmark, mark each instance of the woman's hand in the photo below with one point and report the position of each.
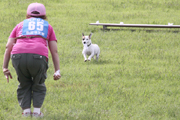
(57, 75)
(7, 74)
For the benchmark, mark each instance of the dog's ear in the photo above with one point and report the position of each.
(82, 34)
(90, 36)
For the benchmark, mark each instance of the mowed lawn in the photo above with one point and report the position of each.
(136, 77)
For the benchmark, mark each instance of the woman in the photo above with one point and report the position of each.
(28, 48)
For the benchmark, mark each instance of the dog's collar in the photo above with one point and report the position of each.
(89, 45)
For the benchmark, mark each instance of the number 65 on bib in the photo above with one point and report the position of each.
(35, 26)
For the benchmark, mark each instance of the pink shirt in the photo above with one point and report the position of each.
(34, 45)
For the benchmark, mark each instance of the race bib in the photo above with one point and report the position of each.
(35, 26)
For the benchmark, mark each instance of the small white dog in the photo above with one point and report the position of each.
(89, 49)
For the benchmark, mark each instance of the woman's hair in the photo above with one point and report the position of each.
(35, 12)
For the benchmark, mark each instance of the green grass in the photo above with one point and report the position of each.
(136, 77)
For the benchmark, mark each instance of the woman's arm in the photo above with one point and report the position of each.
(7, 54)
(55, 58)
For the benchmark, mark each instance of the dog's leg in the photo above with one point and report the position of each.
(97, 56)
(85, 58)
(92, 55)
(84, 54)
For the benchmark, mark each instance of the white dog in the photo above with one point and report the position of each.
(89, 49)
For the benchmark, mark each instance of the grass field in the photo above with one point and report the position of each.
(137, 75)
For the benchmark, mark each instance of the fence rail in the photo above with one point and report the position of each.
(105, 25)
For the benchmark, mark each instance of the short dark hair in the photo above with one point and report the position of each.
(35, 12)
